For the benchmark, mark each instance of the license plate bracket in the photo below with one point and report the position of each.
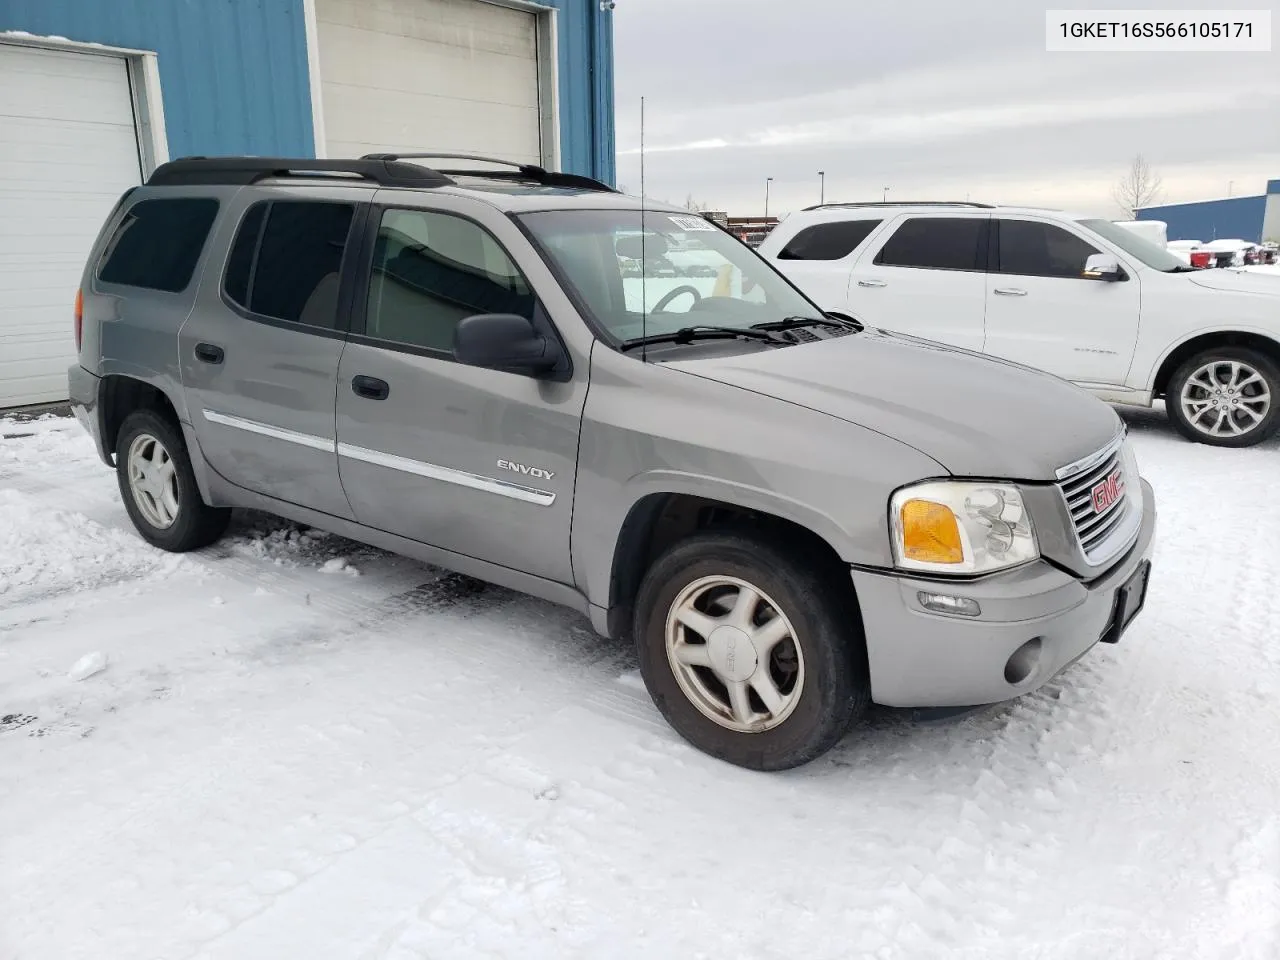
(1130, 599)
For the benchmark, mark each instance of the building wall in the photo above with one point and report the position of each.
(1233, 218)
(1271, 219)
(233, 73)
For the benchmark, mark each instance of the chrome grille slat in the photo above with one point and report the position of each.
(1099, 534)
(1077, 486)
(1095, 532)
(1085, 528)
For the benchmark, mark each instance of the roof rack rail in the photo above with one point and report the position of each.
(192, 171)
(520, 171)
(905, 203)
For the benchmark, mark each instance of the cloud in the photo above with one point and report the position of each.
(928, 100)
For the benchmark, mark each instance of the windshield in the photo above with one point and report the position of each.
(680, 271)
(1151, 254)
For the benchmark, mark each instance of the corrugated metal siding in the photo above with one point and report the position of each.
(1236, 218)
(233, 73)
(586, 88)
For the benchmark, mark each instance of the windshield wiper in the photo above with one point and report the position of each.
(790, 323)
(702, 332)
(1183, 268)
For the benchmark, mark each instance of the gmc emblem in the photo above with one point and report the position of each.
(1107, 493)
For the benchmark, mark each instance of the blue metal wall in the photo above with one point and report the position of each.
(233, 73)
(1236, 218)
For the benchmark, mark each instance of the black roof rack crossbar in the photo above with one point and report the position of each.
(191, 171)
(904, 203)
(521, 171)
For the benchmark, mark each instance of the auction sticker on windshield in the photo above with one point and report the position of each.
(690, 224)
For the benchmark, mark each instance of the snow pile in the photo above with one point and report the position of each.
(48, 553)
(87, 666)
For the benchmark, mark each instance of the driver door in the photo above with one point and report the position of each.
(476, 461)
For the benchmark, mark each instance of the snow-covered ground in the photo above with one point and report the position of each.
(291, 746)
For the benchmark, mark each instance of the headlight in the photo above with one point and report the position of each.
(961, 527)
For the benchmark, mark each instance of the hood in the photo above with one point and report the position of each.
(976, 416)
(1237, 281)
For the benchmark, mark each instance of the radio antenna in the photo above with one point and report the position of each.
(644, 260)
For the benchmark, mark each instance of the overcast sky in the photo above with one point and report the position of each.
(934, 99)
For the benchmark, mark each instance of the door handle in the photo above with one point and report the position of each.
(873, 283)
(371, 388)
(209, 353)
(1010, 291)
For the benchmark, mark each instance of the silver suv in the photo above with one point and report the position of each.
(791, 514)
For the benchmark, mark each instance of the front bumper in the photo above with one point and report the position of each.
(923, 659)
(83, 390)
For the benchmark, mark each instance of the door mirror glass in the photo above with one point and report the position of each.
(1101, 266)
(504, 341)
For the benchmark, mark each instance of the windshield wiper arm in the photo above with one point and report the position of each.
(701, 332)
(790, 323)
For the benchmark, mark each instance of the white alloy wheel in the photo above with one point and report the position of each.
(734, 654)
(1225, 398)
(153, 481)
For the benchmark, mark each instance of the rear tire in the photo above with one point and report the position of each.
(785, 675)
(1224, 390)
(159, 487)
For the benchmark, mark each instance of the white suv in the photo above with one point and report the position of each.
(1076, 296)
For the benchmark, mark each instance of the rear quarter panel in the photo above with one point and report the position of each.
(132, 331)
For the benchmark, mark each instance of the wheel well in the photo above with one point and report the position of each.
(660, 520)
(1264, 345)
(120, 397)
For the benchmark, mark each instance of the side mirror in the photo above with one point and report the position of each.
(504, 340)
(1101, 266)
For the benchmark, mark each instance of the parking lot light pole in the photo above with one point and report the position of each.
(822, 186)
(767, 181)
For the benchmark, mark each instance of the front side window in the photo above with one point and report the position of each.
(158, 243)
(828, 241)
(937, 243)
(295, 273)
(656, 273)
(431, 270)
(1032, 249)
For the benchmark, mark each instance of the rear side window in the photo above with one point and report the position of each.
(937, 243)
(1032, 249)
(286, 260)
(158, 243)
(828, 241)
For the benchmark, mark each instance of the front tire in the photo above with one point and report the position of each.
(751, 654)
(159, 487)
(1225, 397)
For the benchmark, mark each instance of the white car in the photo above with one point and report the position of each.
(1076, 296)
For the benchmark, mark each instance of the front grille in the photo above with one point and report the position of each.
(1100, 532)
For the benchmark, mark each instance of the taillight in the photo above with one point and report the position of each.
(79, 318)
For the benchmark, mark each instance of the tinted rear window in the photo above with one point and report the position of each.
(828, 241)
(158, 243)
(938, 243)
(298, 260)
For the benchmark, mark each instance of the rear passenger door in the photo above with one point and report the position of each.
(1042, 311)
(259, 354)
(476, 461)
(926, 276)
(819, 259)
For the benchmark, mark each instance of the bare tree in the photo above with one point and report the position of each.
(694, 205)
(1138, 188)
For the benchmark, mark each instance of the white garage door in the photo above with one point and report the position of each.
(68, 149)
(459, 76)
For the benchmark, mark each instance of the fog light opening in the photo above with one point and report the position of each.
(1023, 663)
(945, 603)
